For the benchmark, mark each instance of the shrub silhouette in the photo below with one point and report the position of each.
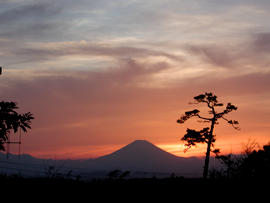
(254, 165)
(118, 174)
(257, 164)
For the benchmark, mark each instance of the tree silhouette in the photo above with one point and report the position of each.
(192, 137)
(11, 120)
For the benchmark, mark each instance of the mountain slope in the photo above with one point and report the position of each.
(141, 155)
(138, 156)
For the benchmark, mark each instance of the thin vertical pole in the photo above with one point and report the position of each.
(7, 146)
(20, 135)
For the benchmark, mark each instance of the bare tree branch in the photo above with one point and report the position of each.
(209, 119)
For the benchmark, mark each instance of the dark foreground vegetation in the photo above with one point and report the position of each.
(245, 175)
(153, 188)
(252, 165)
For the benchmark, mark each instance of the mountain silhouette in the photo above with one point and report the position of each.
(142, 155)
(139, 150)
(139, 156)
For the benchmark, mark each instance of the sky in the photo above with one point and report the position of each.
(99, 74)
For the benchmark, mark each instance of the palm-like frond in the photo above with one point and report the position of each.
(10, 120)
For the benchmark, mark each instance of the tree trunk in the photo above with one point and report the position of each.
(207, 157)
(206, 162)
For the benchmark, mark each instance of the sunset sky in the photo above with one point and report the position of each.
(99, 74)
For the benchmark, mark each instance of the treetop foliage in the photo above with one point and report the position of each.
(11, 120)
(211, 101)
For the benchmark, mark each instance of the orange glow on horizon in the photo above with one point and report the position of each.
(92, 151)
